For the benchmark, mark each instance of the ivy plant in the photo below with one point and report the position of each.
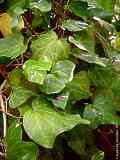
(60, 77)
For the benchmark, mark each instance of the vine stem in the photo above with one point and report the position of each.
(3, 107)
(11, 115)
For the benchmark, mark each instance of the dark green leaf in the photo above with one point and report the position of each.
(79, 8)
(79, 86)
(91, 58)
(102, 111)
(73, 25)
(101, 76)
(116, 89)
(84, 41)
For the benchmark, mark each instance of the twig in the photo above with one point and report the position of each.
(4, 115)
(9, 114)
(3, 85)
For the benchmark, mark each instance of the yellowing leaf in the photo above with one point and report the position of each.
(5, 24)
(20, 23)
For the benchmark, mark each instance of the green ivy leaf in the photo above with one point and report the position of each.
(52, 85)
(98, 156)
(42, 5)
(62, 73)
(36, 71)
(16, 148)
(79, 8)
(101, 112)
(60, 101)
(64, 70)
(77, 140)
(116, 89)
(91, 58)
(25, 107)
(77, 44)
(49, 46)
(79, 86)
(15, 77)
(108, 5)
(85, 39)
(12, 46)
(16, 7)
(19, 95)
(46, 123)
(73, 25)
(101, 76)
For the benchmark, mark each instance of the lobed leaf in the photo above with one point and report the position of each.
(49, 46)
(19, 96)
(61, 74)
(12, 46)
(46, 123)
(36, 71)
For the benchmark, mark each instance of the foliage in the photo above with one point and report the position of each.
(60, 75)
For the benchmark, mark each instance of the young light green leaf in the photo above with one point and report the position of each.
(46, 123)
(49, 46)
(19, 95)
(64, 70)
(52, 84)
(61, 74)
(36, 71)
(12, 46)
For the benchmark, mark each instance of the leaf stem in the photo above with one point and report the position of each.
(9, 114)
(4, 115)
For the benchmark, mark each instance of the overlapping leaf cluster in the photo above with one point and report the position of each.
(60, 72)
